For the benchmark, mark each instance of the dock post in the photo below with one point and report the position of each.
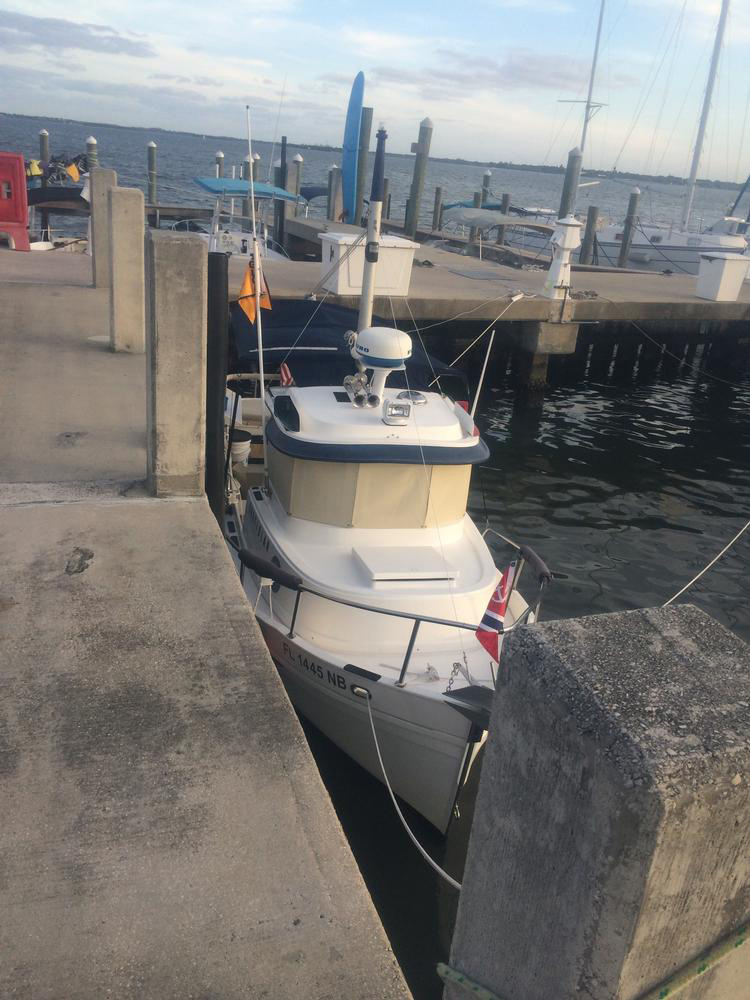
(570, 184)
(219, 163)
(127, 324)
(246, 207)
(295, 179)
(612, 824)
(589, 235)
(564, 240)
(281, 178)
(504, 208)
(365, 131)
(176, 279)
(92, 153)
(422, 149)
(335, 206)
(151, 161)
(100, 181)
(44, 158)
(486, 181)
(217, 363)
(474, 230)
(437, 210)
(631, 220)
(386, 199)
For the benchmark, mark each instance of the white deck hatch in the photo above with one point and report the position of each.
(404, 563)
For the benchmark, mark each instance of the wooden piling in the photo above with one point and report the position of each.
(437, 209)
(474, 230)
(219, 162)
(44, 158)
(295, 180)
(151, 167)
(570, 184)
(504, 208)
(422, 149)
(335, 204)
(386, 199)
(92, 153)
(630, 223)
(589, 235)
(279, 207)
(365, 130)
(247, 169)
(486, 181)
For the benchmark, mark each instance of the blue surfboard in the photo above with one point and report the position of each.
(351, 148)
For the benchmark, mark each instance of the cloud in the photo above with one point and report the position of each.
(20, 32)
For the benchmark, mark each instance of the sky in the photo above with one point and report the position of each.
(492, 75)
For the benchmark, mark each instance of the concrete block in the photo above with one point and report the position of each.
(549, 338)
(176, 296)
(127, 324)
(611, 837)
(100, 181)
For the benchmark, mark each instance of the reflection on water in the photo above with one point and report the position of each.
(629, 479)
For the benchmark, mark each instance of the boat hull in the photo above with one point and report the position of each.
(424, 742)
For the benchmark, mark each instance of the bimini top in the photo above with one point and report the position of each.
(235, 187)
(322, 423)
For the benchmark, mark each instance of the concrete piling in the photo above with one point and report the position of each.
(100, 182)
(589, 235)
(219, 163)
(570, 184)
(176, 283)
(611, 835)
(504, 208)
(631, 220)
(127, 329)
(151, 164)
(92, 153)
(365, 132)
(437, 210)
(422, 149)
(335, 205)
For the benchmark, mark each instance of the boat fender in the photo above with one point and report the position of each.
(262, 567)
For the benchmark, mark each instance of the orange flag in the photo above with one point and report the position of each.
(246, 298)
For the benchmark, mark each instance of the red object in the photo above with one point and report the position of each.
(493, 621)
(14, 206)
(286, 376)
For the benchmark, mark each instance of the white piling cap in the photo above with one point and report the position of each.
(256, 156)
(91, 141)
(219, 153)
(152, 144)
(426, 123)
(298, 159)
(43, 131)
(636, 190)
(488, 173)
(247, 158)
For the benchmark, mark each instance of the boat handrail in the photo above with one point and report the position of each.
(264, 568)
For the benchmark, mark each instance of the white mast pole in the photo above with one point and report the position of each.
(690, 193)
(587, 111)
(258, 274)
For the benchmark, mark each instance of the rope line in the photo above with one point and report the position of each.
(430, 861)
(705, 569)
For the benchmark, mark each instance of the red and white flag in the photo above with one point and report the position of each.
(492, 624)
(286, 376)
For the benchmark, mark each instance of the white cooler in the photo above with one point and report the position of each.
(720, 276)
(393, 272)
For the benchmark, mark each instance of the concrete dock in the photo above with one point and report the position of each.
(165, 831)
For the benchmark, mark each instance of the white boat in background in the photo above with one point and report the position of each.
(368, 577)
(680, 246)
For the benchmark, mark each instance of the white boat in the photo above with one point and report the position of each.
(369, 578)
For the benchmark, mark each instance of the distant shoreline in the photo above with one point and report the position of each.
(499, 164)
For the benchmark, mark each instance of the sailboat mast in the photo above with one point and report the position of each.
(690, 193)
(587, 112)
